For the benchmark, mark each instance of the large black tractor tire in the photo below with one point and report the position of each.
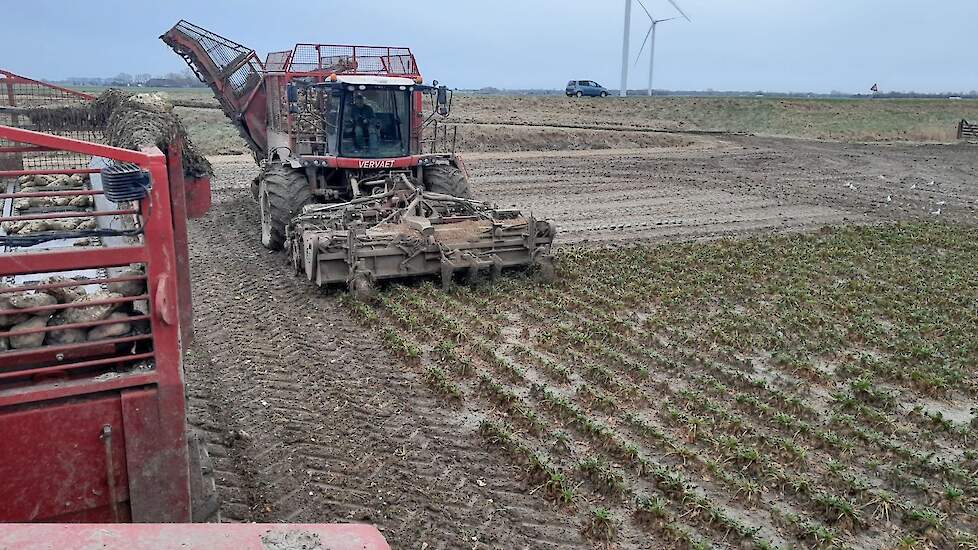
(282, 192)
(447, 180)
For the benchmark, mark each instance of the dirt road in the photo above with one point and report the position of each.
(311, 420)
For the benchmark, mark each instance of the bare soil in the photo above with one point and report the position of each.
(730, 185)
(310, 419)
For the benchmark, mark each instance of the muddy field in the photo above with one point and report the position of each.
(312, 415)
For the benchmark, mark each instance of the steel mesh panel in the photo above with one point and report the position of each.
(222, 52)
(245, 77)
(276, 61)
(226, 54)
(354, 59)
(34, 105)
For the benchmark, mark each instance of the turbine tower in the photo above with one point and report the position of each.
(623, 90)
(651, 33)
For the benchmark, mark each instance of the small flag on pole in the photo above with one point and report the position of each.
(875, 88)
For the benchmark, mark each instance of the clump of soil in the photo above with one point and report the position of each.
(132, 121)
(61, 118)
(291, 540)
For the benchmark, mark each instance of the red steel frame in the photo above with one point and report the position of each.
(204, 536)
(12, 78)
(19, 91)
(283, 78)
(251, 108)
(80, 447)
(289, 69)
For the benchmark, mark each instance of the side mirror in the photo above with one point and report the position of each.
(292, 93)
(442, 101)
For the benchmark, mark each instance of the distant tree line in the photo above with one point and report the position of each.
(973, 94)
(185, 79)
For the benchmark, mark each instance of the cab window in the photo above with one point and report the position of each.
(376, 123)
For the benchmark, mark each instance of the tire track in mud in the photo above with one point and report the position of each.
(310, 420)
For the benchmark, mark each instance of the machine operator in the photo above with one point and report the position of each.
(366, 131)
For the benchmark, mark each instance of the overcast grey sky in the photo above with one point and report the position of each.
(777, 45)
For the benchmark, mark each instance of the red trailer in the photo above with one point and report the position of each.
(94, 427)
(94, 318)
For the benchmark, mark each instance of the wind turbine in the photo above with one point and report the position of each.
(651, 33)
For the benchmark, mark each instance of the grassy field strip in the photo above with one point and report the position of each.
(819, 497)
(862, 432)
(732, 393)
(502, 395)
(594, 467)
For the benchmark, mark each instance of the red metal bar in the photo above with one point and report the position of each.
(18, 358)
(60, 215)
(212, 536)
(178, 194)
(73, 145)
(65, 284)
(73, 305)
(74, 366)
(43, 392)
(68, 260)
(45, 172)
(88, 324)
(161, 271)
(49, 194)
(18, 79)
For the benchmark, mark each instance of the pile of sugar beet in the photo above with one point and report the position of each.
(128, 121)
(43, 183)
(14, 321)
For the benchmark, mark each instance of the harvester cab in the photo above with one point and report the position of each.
(352, 127)
(363, 117)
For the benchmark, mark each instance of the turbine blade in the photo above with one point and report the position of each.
(642, 49)
(664, 20)
(645, 10)
(680, 10)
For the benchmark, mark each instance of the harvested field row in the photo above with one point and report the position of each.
(848, 120)
(215, 135)
(509, 138)
(807, 390)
